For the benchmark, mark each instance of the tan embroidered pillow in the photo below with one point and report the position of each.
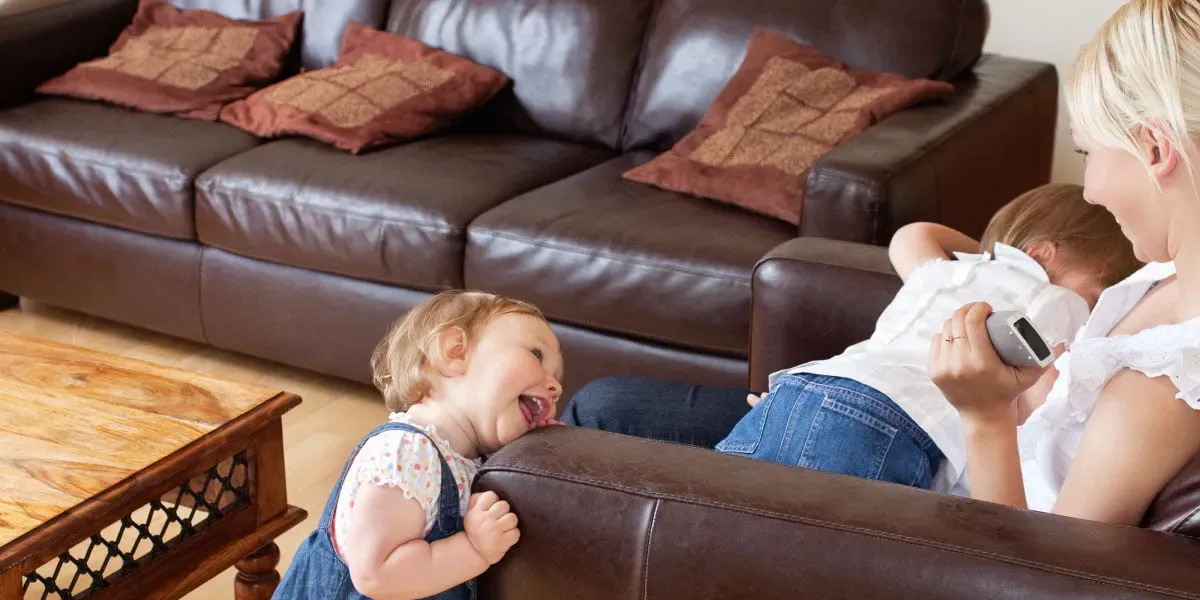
(383, 88)
(189, 63)
(786, 106)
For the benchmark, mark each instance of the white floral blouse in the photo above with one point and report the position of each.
(407, 461)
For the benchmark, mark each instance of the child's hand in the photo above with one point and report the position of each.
(753, 399)
(491, 526)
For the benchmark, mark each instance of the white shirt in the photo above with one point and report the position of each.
(1049, 438)
(895, 359)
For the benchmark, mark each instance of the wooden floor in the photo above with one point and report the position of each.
(318, 435)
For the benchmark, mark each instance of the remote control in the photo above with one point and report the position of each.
(1017, 341)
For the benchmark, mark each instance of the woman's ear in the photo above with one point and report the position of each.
(451, 352)
(1161, 153)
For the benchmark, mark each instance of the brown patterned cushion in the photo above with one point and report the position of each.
(190, 63)
(383, 88)
(786, 106)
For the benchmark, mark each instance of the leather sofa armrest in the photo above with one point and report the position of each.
(42, 41)
(954, 161)
(611, 517)
(811, 298)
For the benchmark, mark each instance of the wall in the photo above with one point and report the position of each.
(1050, 31)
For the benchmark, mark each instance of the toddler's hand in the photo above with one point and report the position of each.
(491, 526)
(753, 399)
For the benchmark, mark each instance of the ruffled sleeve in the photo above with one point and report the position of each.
(1172, 351)
(406, 461)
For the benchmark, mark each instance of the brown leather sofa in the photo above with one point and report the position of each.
(299, 253)
(610, 517)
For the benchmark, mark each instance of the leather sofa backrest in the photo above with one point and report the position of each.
(321, 30)
(694, 46)
(1177, 508)
(571, 61)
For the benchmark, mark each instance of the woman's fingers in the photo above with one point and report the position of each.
(958, 323)
(975, 328)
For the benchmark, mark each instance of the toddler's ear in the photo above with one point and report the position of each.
(450, 352)
(1043, 252)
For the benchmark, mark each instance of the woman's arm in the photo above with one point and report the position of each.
(964, 366)
(918, 243)
(1138, 437)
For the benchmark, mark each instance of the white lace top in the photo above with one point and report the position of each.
(407, 461)
(1050, 436)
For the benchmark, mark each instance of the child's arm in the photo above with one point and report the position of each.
(388, 560)
(918, 243)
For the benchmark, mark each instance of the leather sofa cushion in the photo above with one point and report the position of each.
(110, 165)
(396, 216)
(320, 30)
(612, 255)
(694, 46)
(572, 62)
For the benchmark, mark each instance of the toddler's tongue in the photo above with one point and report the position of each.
(529, 409)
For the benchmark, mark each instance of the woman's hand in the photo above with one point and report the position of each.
(966, 368)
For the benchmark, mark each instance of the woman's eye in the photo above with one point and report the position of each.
(1082, 153)
(537, 353)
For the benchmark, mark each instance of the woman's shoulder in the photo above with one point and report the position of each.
(1169, 350)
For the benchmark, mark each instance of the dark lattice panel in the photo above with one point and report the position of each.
(143, 534)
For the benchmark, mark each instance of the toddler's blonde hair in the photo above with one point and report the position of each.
(404, 360)
(1085, 235)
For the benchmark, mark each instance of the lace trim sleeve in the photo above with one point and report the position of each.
(1172, 351)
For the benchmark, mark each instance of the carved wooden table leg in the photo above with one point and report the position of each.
(257, 577)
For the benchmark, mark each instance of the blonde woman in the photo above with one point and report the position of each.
(1121, 420)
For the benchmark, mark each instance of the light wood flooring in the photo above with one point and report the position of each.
(318, 435)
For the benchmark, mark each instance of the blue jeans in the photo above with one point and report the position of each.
(839, 426)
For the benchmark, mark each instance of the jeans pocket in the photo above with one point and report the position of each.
(747, 434)
(848, 440)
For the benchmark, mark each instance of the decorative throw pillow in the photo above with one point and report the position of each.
(786, 106)
(189, 63)
(383, 88)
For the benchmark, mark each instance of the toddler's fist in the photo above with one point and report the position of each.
(491, 526)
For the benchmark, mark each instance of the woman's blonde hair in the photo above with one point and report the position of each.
(1141, 70)
(1086, 236)
(402, 363)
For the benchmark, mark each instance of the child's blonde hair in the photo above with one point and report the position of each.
(1142, 69)
(402, 363)
(1085, 235)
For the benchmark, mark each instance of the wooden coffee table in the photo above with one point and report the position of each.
(124, 479)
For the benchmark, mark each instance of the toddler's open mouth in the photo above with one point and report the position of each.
(533, 408)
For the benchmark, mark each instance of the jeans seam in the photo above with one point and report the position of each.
(791, 428)
(861, 416)
(904, 421)
(881, 457)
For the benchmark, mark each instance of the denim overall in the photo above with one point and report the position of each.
(318, 572)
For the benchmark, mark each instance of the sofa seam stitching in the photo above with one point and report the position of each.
(607, 256)
(654, 9)
(47, 153)
(1192, 516)
(646, 550)
(641, 336)
(836, 526)
(200, 292)
(244, 197)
